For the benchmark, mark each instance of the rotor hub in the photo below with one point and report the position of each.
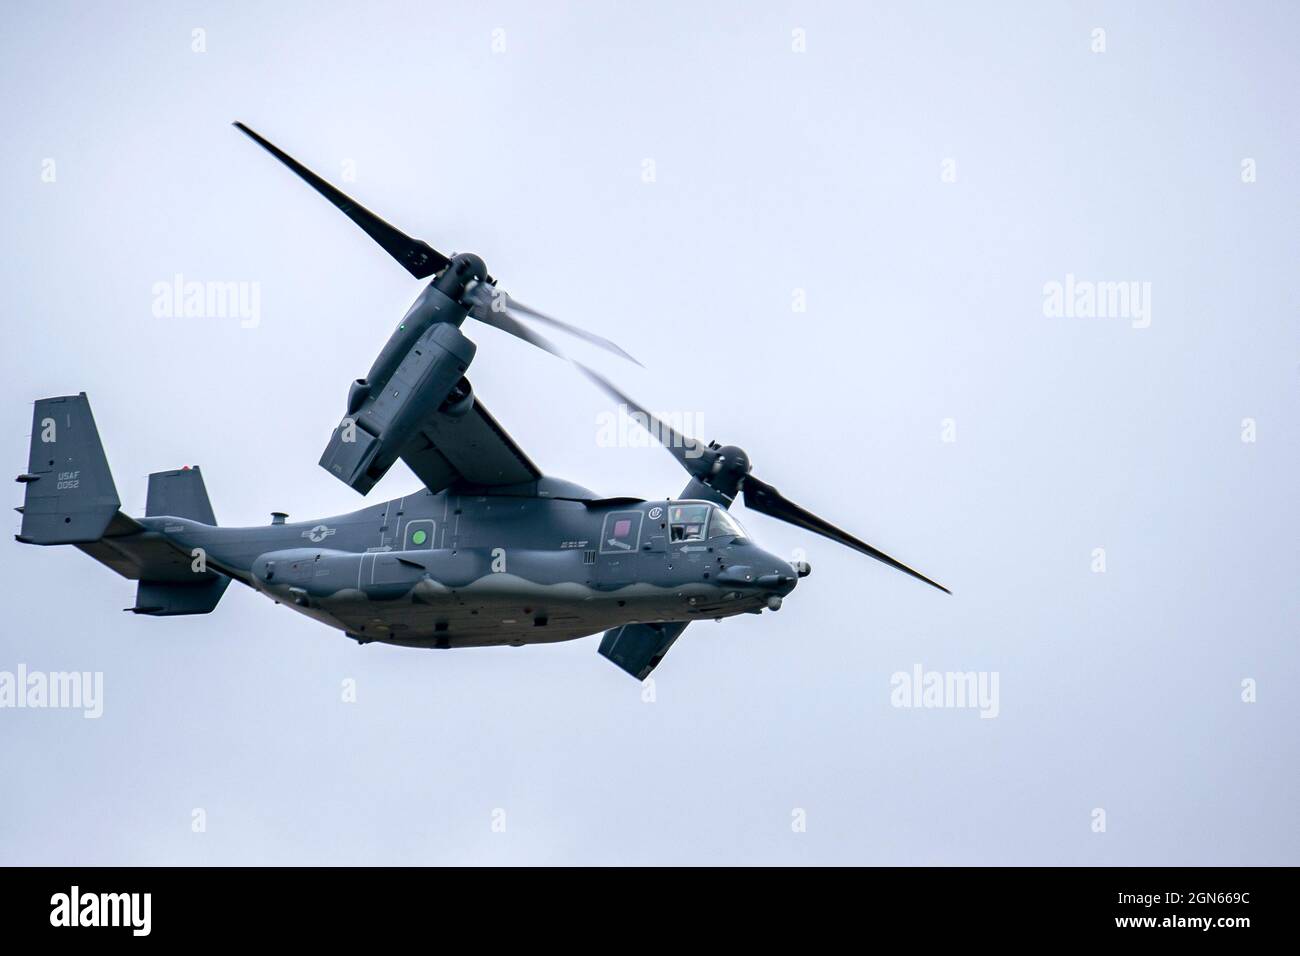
(729, 470)
(464, 268)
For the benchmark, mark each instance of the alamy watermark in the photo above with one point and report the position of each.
(626, 428)
(56, 690)
(183, 298)
(952, 690)
(76, 908)
(1087, 299)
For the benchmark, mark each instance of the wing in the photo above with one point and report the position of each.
(638, 648)
(471, 448)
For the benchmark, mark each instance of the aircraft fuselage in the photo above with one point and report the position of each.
(461, 570)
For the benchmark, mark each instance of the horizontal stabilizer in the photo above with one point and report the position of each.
(170, 582)
(638, 648)
(71, 500)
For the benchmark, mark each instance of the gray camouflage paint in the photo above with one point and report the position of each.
(505, 569)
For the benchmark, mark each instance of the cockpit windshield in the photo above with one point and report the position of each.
(694, 521)
(723, 525)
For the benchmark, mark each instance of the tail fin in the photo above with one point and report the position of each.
(168, 589)
(70, 494)
(71, 500)
(181, 494)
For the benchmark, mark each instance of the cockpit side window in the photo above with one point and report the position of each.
(687, 522)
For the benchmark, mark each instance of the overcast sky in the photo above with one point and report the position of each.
(831, 232)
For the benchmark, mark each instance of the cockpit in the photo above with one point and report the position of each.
(696, 521)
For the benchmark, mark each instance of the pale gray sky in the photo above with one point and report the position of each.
(775, 170)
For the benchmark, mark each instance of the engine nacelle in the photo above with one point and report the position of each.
(389, 415)
(459, 400)
(357, 394)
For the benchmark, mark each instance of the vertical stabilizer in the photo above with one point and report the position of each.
(70, 493)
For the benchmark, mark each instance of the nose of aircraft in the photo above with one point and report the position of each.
(781, 579)
(780, 582)
(773, 576)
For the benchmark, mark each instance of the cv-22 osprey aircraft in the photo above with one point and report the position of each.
(490, 551)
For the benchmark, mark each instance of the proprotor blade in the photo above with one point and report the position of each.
(599, 341)
(764, 498)
(415, 256)
(480, 296)
(693, 455)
